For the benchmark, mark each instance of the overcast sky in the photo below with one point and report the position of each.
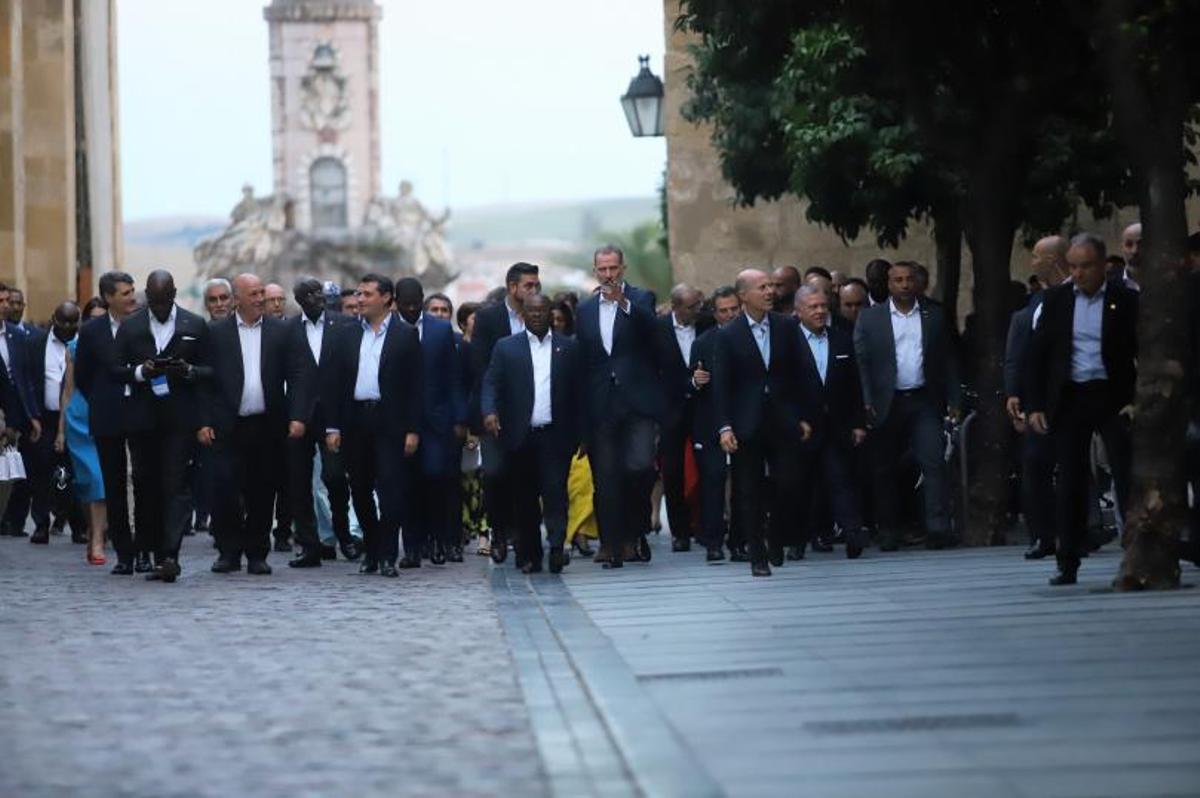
(483, 101)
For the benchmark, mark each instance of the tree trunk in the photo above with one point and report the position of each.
(1150, 103)
(947, 237)
(990, 225)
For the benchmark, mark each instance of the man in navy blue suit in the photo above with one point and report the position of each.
(443, 428)
(829, 374)
(532, 403)
(615, 330)
(18, 396)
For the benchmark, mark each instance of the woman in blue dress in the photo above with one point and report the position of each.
(75, 437)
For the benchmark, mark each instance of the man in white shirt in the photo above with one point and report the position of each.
(257, 395)
(675, 333)
(531, 404)
(909, 373)
(49, 356)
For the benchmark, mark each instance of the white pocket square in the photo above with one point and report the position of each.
(840, 357)
(187, 338)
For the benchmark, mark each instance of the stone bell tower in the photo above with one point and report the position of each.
(325, 110)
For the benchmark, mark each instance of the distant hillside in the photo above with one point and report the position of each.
(183, 232)
(576, 223)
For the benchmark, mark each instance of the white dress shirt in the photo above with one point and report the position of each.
(540, 352)
(910, 351)
(253, 401)
(516, 322)
(163, 332)
(685, 336)
(113, 325)
(1087, 327)
(818, 344)
(761, 331)
(366, 383)
(420, 325)
(314, 331)
(608, 319)
(4, 346)
(55, 369)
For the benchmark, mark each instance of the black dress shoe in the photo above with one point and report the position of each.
(437, 554)
(581, 546)
(41, 535)
(258, 568)
(142, 564)
(410, 561)
(681, 544)
(351, 551)
(1040, 552)
(760, 568)
(795, 553)
(282, 544)
(714, 554)
(603, 554)
(822, 545)
(309, 559)
(166, 571)
(368, 566)
(456, 554)
(853, 550)
(122, 568)
(1063, 578)
(328, 552)
(889, 541)
(499, 550)
(775, 556)
(226, 565)
(641, 548)
(533, 566)
(388, 570)
(558, 558)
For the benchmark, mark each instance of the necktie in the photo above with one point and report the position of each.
(764, 343)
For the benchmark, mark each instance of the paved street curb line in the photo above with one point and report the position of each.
(649, 749)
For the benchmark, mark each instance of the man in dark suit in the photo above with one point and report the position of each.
(22, 409)
(161, 354)
(256, 397)
(532, 403)
(1082, 380)
(48, 350)
(314, 335)
(624, 403)
(1049, 264)
(95, 356)
(443, 428)
(829, 372)
(674, 336)
(493, 322)
(375, 408)
(761, 416)
(711, 460)
(910, 381)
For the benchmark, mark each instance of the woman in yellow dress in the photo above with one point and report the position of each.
(581, 517)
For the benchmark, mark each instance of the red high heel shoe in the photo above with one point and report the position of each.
(96, 559)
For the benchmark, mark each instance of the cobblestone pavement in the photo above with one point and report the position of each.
(304, 683)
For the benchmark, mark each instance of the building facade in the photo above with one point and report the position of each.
(324, 61)
(60, 203)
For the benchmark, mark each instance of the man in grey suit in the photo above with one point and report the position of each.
(910, 382)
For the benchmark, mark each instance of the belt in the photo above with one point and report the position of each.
(366, 403)
(910, 391)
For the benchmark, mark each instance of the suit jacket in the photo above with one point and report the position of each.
(18, 386)
(838, 400)
(319, 377)
(178, 411)
(401, 378)
(95, 354)
(631, 371)
(675, 378)
(749, 396)
(875, 349)
(445, 399)
(1049, 368)
(508, 391)
(704, 409)
(1016, 349)
(491, 324)
(285, 384)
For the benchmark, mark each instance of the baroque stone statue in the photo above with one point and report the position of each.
(407, 224)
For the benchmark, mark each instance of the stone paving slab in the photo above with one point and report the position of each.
(305, 683)
(957, 673)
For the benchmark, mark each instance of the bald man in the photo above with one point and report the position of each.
(257, 397)
(674, 334)
(786, 280)
(274, 300)
(1131, 246)
(162, 355)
